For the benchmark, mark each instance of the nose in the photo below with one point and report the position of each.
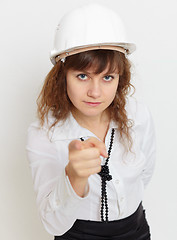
(94, 89)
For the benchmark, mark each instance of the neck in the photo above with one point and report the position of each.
(92, 122)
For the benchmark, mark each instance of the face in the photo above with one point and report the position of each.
(90, 93)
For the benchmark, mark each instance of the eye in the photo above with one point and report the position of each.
(82, 76)
(108, 78)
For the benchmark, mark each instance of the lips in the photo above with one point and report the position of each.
(93, 104)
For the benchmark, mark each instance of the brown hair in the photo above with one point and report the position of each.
(53, 97)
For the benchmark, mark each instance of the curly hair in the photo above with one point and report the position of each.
(53, 96)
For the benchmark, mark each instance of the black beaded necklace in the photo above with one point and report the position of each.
(105, 176)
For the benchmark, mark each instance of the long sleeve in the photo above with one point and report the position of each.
(57, 202)
(148, 145)
(59, 206)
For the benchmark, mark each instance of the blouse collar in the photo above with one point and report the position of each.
(70, 129)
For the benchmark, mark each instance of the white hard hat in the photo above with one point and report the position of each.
(89, 27)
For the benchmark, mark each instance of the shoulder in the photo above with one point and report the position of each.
(138, 111)
(40, 138)
(60, 131)
(37, 137)
(143, 126)
(38, 131)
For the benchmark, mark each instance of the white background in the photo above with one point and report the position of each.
(26, 37)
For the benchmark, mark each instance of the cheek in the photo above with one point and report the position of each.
(69, 87)
(116, 87)
(70, 92)
(111, 92)
(74, 92)
(112, 95)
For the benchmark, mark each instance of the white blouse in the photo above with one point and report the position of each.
(59, 206)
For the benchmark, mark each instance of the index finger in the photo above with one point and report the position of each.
(94, 142)
(75, 145)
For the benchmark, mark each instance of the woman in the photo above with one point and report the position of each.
(92, 150)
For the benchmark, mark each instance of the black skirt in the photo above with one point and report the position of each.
(134, 227)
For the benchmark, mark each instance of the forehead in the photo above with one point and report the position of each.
(96, 69)
(93, 70)
(96, 61)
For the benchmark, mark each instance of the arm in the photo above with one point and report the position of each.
(79, 185)
(148, 145)
(57, 202)
(84, 160)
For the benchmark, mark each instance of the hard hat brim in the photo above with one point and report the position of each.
(126, 48)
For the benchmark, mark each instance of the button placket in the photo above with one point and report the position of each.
(117, 181)
(121, 214)
(120, 196)
(121, 199)
(118, 184)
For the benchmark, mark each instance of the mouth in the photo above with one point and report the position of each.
(93, 104)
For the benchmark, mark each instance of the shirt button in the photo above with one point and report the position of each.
(117, 181)
(57, 203)
(121, 199)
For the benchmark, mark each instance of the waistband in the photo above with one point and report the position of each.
(111, 227)
(133, 227)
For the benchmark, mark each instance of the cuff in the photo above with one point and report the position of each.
(71, 190)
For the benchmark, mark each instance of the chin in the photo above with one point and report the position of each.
(92, 112)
